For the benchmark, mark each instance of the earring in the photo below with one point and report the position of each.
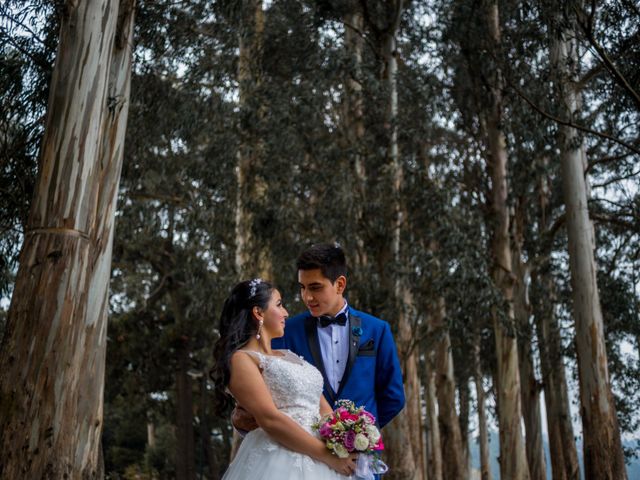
(259, 330)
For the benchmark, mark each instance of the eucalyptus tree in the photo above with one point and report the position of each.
(600, 424)
(253, 255)
(49, 430)
(536, 219)
(384, 21)
(485, 87)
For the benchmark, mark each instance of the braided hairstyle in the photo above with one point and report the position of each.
(237, 326)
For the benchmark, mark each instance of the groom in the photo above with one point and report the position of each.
(354, 351)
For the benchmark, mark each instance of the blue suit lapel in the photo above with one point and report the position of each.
(354, 322)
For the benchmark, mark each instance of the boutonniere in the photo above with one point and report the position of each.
(357, 331)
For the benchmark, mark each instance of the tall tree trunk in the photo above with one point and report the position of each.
(212, 458)
(453, 458)
(253, 255)
(185, 457)
(603, 455)
(407, 427)
(562, 445)
(464, 397)
(530, 387)
(53, 352)
(209, 454)
(434, 446)
(151, 433)
(353, 120)
(513, 461)
(485, 465)
(404, 463)
(185, 454)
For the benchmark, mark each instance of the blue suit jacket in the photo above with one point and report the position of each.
(372, 377)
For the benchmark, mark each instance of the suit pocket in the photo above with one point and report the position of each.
(367, 349)
(367, 353)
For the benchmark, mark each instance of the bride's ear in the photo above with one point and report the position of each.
(257, 313)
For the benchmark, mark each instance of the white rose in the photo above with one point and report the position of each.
(373, 433)
(341, 451)
(361, 442)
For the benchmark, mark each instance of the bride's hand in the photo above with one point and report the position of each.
(344, 466)
(242, 420)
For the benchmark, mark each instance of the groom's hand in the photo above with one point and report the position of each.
(242, 420)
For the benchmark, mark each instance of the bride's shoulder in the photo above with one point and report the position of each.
(242, 356)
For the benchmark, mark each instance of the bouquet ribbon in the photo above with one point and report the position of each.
(367, 466)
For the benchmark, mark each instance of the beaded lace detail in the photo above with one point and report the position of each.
(295, 385)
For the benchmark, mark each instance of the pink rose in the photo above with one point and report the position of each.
(349, 416)
(325, 430)
(349, 440)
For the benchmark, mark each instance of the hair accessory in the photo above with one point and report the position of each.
(253, 284)
(259, 330)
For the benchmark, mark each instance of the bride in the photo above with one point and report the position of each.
(278, 388)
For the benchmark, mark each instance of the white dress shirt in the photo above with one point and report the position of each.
(334, 345)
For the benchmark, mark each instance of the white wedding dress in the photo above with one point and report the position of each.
(295, 386)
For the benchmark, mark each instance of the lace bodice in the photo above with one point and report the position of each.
(295, 385)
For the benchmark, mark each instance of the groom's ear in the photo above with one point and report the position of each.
(341, 284)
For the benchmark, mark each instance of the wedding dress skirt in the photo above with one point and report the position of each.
(296, 387)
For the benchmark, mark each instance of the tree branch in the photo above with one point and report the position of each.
(609, 219)
(5, 13)
(569, 123)
(615, 158)
(600, 67)
(588, 27)
(169, 199)
(616, 179)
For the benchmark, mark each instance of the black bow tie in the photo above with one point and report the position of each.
(326, 320)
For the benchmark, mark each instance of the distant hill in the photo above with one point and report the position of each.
(633, 466)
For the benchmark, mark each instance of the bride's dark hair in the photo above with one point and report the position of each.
(237, 325)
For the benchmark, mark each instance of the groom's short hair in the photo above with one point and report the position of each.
(328, 258)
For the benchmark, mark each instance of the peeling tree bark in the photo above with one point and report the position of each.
(53, 351)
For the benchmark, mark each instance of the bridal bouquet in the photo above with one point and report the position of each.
(353, 430)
